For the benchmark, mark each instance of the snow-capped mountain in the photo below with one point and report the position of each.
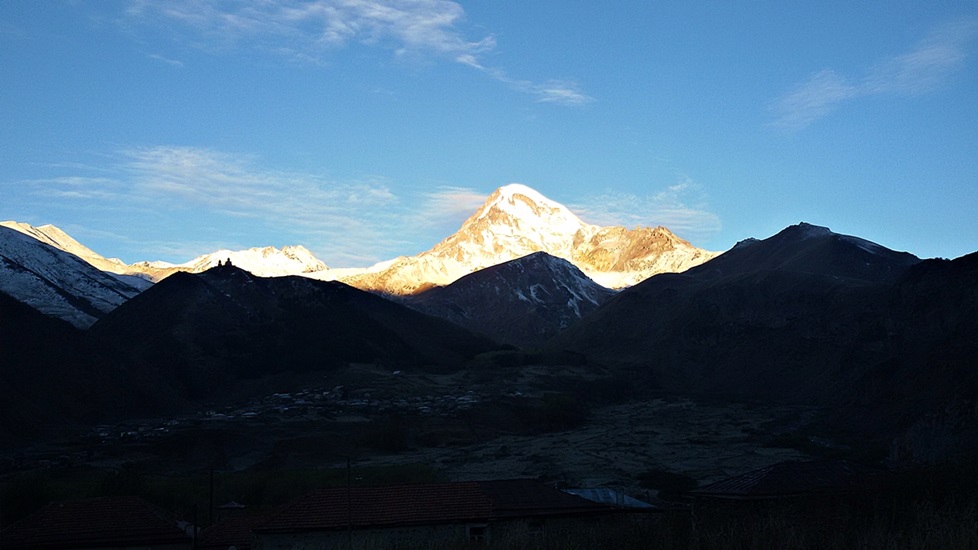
(532, 298)
(56, 282)
(57, 238)
(516, 221)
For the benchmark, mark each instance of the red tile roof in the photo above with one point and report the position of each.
(441, 503)
(96, 522)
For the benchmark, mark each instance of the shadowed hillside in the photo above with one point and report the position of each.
(208, 330)
(806, 316)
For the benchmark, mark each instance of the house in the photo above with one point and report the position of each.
(791, 479)
(107, 522)
(435, 514)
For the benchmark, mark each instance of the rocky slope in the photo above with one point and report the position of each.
(55, 282)
(522, 302)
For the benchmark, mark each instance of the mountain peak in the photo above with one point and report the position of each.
(512, 191)
(516, 221)
(806, 230)
(814, 250)
(533, 297)
(531, 209)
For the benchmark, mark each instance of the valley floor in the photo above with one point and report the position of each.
(464, 428)
(618, 443)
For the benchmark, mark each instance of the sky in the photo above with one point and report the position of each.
(367, 129)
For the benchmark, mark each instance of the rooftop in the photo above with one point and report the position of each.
(95, 522)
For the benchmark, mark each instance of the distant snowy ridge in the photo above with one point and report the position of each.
(266, 261)
(57, 238)
(263, 262)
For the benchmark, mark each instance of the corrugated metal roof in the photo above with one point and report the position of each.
(612, 497)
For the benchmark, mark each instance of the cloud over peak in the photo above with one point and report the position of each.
(682, 208)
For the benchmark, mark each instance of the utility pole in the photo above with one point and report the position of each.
(349, 504)
(210, 512)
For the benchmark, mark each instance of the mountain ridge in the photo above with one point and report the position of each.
(208, 329)
(514, 221)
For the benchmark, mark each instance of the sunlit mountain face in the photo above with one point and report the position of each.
(56, 282)
(516, 221)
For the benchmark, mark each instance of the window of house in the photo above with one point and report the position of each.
(478, 533)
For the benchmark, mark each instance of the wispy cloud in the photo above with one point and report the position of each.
(77, 187)
(163, 59)
(346, 215)
(451, 204)
(313, 28)
(682, 208)
(924, 69)
(561, 92)
(309, 31)
(345, 221)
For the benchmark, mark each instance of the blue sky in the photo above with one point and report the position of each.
(367, 129)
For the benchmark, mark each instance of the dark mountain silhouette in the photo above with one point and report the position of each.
(806, 316)
(210, 329)
(521, 302)
(809, 249)
(926, 382)
(52, 377)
